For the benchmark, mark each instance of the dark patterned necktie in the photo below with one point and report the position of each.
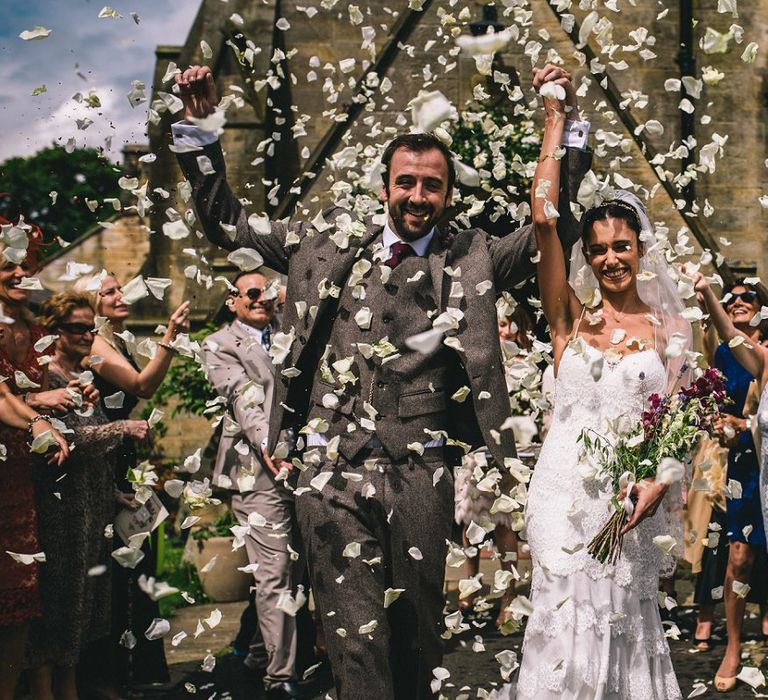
(400, 251)
(266, 337)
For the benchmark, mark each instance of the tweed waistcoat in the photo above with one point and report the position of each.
(368, 382)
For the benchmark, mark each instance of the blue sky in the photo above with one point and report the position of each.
(106, 53)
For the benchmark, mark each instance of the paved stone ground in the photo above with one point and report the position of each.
(470, 658)
(470, 668)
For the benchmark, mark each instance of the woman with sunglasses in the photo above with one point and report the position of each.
(74, 509)
(742, 358)
(120, 371)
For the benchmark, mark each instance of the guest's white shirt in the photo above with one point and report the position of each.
(250, 330)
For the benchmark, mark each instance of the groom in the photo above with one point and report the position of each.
(388, 366)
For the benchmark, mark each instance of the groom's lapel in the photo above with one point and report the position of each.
(341, 264)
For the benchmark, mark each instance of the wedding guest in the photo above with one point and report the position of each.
(119, 374)
(476, 505)
(20, 352)
(743, 526)
(705, 551)
(237, 361)
(75, 508)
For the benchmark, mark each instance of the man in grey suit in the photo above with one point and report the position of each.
(389, 364)
(240, 369)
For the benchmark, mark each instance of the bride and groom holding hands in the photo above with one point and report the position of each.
(383, 419)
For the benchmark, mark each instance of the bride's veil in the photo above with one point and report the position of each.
(655, 286)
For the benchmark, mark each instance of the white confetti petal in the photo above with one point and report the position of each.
(35, 34)
(752, 676)
(158, 628)
(213, 619)
(246, 259)
(134, 290)
(26, 559)
(319, 481)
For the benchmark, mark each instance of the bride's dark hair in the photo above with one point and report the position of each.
(614, 209)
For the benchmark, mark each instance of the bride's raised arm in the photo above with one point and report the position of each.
(557, 299)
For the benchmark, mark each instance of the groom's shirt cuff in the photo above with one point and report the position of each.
(191, 136)
(575, 134)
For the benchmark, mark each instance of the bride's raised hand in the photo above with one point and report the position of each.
(700, 286)
(701, 283)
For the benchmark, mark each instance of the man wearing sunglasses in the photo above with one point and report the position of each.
(388, 365)
(241, 370)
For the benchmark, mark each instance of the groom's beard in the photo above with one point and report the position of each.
(411, 222)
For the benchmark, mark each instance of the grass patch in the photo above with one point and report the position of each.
(179, 574)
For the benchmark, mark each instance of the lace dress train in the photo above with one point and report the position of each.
(595, 631)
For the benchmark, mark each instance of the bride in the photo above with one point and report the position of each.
(595, 630)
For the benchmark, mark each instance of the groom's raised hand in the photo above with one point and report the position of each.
(197, 91)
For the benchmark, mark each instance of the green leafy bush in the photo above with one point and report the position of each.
(502, 147)
(185, 383)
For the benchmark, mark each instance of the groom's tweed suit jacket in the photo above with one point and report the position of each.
(313, 262)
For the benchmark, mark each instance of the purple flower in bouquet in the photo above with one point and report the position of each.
(710, 384)
(654, 414)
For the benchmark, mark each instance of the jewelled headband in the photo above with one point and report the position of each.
(621, 204)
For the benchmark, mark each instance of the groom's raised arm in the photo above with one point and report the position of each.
(513, 254)
(221, 215)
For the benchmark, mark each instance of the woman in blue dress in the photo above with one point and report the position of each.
(741, 552)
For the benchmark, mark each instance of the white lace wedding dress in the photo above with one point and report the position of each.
(595, 630)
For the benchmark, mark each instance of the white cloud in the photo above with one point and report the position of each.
(83, 53)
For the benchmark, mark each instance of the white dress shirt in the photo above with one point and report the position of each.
(250, 330)
(189, 136)
(420, 245)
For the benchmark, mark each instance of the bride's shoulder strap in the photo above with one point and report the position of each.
(577, 325)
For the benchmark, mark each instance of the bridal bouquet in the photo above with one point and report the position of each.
(652, 449)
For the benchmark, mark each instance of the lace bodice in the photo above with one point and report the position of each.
(569, 500)
(590, 389)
